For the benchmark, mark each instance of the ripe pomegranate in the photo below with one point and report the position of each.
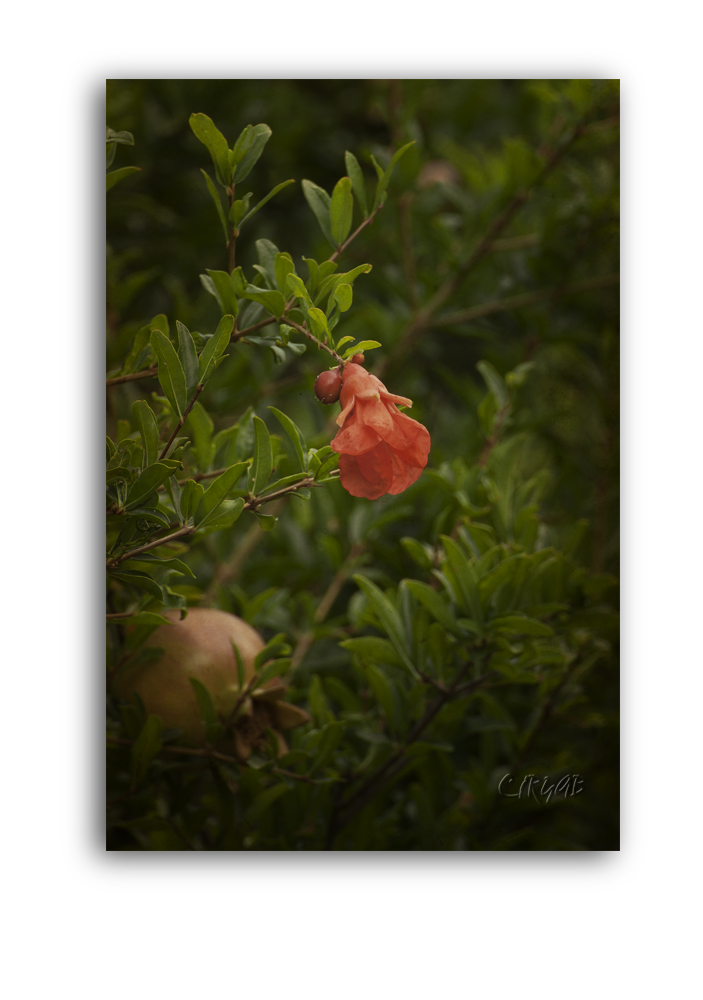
(328, 386)
(200, 646)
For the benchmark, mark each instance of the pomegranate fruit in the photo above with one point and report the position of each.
(200, 646)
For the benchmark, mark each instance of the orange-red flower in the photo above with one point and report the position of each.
(380, 449)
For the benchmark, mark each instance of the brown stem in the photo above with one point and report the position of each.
(119, 379)
(150, 545)
(183, 419)
(311, 336)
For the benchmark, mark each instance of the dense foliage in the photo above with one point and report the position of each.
(450, 644)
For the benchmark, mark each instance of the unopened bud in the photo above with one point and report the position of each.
(328, 386)
(358, 359)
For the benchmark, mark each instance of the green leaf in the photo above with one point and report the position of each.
(149, 430)
(201, 426)
(269, 196)
(332, 735)
(274, 668)
(381, 687)
(146, 746)
(383, 181)
(142, 618)
(295, 434)
(433, 602)
(495, 383)
(324, 469)
(142, 581)
(123, 138)
(218, 203)
(245, 140)
(341, 208)
(262, 134)
(216, 493)
(284, 266)
(171, 375)
(517, 625)
(115, 176)
(150, 514)
(343, 296)
(241, 673)
(272, 301)
(206, 705)
(188, 357)
(211, 137)
(373, 648)
(148, 482)
(319, 201)
(357, 181)
(225, 515)
(224, 291)
(388, 615)
(267, 522)
(313, 268)
(365, 345)
(297, 287)
(318, 323)
(191, 495)
(263, 457)
(238, 210)
(329, 283)
(461, 573)
(215, 348)
(279, 484)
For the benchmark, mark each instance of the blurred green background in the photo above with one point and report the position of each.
(547, 293)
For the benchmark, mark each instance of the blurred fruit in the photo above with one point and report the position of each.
(200, 646)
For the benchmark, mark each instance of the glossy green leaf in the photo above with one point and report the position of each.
(216, 493)
(274, 668)
(218, 203)
(225, 515)
(224, 291)
(365, 345)
(326, 466)
(201, 426)
(191, 495)
(215, 348)
(188, 357)
(357, 181)
(433, 602)
(140, 580)
(296, 287)
(122, 138)
(211, 137)
(267, 522)
(148, 482)
(283, 267)
(460, 571)
(343, 296)
(115, 176)
(295, 434)
(261, 135)
(244, 142)
(330, 282)
(263, 456)
(148, 429)
(319, 201)
(206, 706)
(272, 301)
(318, 323)
(142, 618)
(341, 208)
(389, 618)
(171, 375)
(269, 196)
(383, 181)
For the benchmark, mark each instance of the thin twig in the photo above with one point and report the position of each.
(119, 379)
(150, 545)
(319, 343)
(189, 407)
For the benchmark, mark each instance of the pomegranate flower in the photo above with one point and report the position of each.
(380, 449)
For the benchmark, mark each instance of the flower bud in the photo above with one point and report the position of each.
(358, 359)
(328, 385)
